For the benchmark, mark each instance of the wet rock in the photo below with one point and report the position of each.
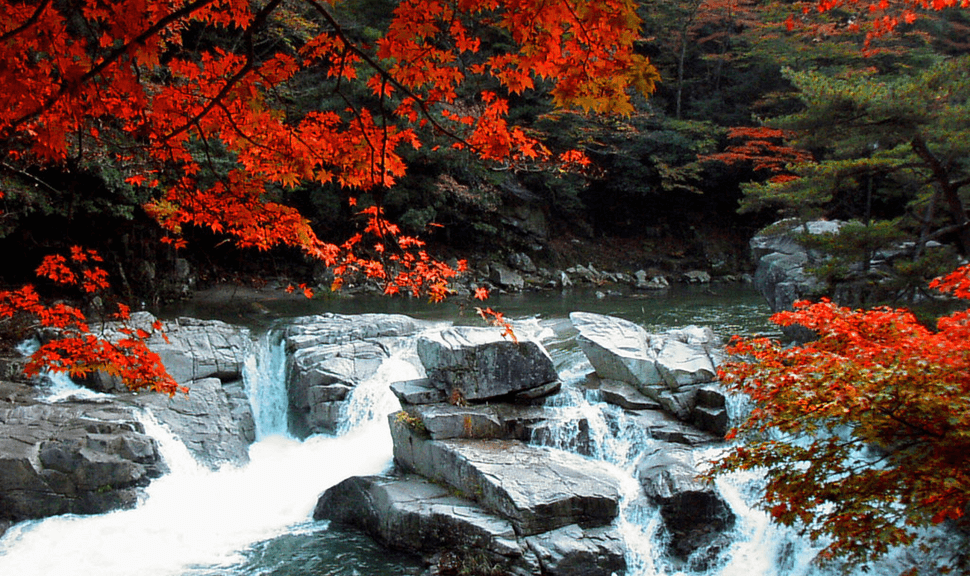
(574, 551)
(320, 376)
(521, 261)
(620, 394)
(72, 457)
(666, 368)
(206, 421)
(697, 277)
(537, 424)
(563, 280)
(480, 364)
(618, 349)
(411, 513)
(681, 364)
(662, 426)
(191, 349)
(710, 410)
(693, 512)
(643, 281)
(418, 392)
(310, 331)
(328, 356)
(444, 421)
(506, 278)
(536, 489)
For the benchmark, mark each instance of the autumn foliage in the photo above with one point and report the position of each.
(862, 433)
(70, 345)
(761, 148)
(873, 18)
(158, 88)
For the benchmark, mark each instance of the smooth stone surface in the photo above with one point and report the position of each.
(537, 489)
(480, 364)
(618, 349)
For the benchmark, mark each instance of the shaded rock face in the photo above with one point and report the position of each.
(781, 276)
(693, 512)
(330, 354)
(668, 369)
(480, 364)
(206, 421)
(195, 349)
(215, 419)
(411, 513)
(72, 457)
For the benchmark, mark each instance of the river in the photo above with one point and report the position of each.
(255, 520)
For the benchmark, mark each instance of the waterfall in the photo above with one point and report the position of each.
(255, 519)
(264, 375)
(197, 521)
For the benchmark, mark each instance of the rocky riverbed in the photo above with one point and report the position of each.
(472, 481)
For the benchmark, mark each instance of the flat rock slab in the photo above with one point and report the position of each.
(574, 551)
(413, 514)
(618, 349)
(72, 457)
(311, 331)
(537, 489)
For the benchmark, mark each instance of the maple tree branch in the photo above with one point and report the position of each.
(28, 22)
(29, 176)
(387, 76)
(114, 56)
(258, 20)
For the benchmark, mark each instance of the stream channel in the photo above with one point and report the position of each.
(255, 520)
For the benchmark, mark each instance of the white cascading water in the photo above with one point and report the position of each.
(197, 521)
(195, 517)
(759, 547)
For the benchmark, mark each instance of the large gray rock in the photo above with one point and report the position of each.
(320, 377)
(329, 355)
(310, 331)
(575, 551)
(618, 349)
(693, 512)
(215, 429)
(781, 276)
(189, 348)
(215, 419)
(199, 349)
(411, 513)
(72, 457)
(537, 489)
(681, 364)
(480, 364)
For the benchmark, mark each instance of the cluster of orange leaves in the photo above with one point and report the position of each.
(123, 80)
(877, 18)
(70, 345)
(863, 432)
(762, 148)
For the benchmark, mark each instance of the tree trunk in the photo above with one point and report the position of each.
(949, 191)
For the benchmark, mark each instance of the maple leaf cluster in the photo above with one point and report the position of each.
(124, 80)
(77, 350)
(862, 433)
(762, 148)
(128, 82)
(874, 18)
